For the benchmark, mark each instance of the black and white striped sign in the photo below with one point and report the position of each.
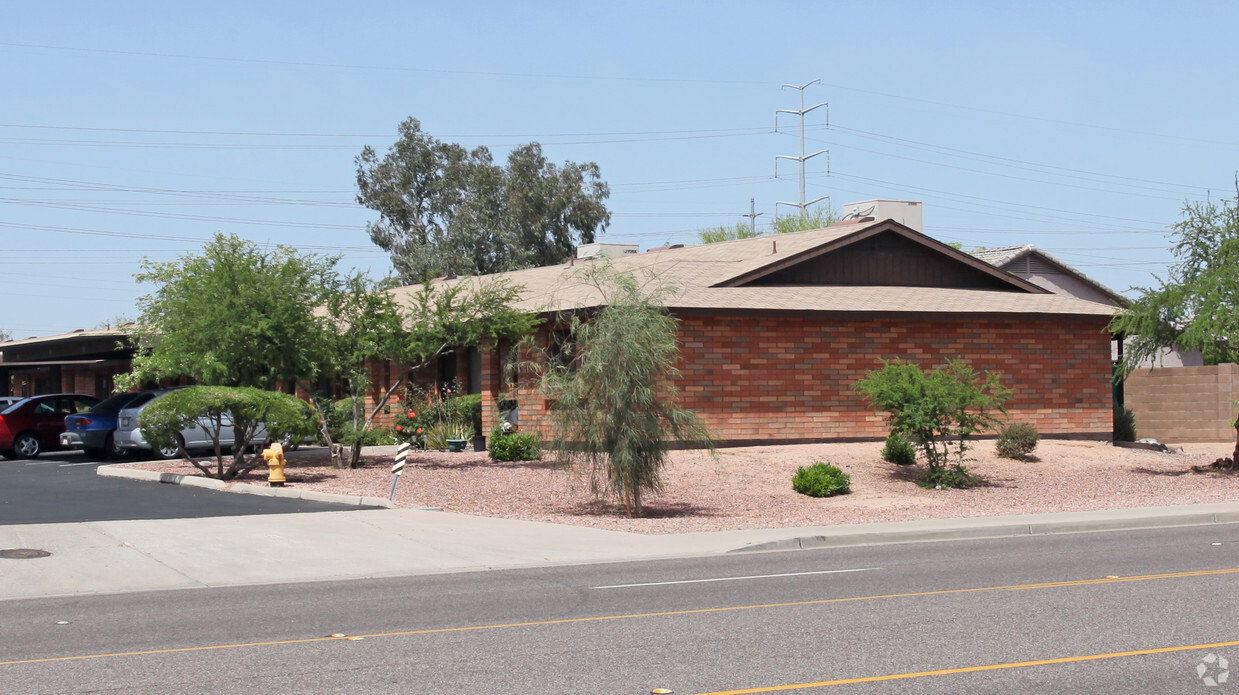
(402, 455)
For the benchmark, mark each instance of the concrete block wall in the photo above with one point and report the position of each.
(1184, 404)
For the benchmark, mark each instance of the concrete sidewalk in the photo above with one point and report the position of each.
(123, 556)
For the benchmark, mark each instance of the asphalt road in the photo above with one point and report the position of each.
(1117, 612)
(62, 487)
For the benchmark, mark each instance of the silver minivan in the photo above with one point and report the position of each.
(128, 436)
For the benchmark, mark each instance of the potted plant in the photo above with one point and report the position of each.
(458, 434)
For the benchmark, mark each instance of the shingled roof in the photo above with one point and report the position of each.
(749, 275)
(1028, 260)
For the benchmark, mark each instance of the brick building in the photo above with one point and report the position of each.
(83, 361)
(774, 331)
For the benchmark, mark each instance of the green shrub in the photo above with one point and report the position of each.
(899, 450)
(1017, 440)
(514, 446)
(1124, 424)
(956, 476)
(821, 480)
(343, 429)
(439, 416)
(937, 410)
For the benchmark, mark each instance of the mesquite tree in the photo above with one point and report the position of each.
(1193, 309)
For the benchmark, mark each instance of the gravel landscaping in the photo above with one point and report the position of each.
(750, 487)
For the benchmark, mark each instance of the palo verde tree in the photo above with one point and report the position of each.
(236, 315)
(233, 315)
(362, 323)
(613, 386)
(1194, 308)
(937, 411)
(444, 210)
(368, 324)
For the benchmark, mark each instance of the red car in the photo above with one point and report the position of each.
(34, 424)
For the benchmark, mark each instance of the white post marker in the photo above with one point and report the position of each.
(402, 454)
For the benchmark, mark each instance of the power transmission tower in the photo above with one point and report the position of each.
(803, 205)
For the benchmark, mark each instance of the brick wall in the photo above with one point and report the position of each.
(791, 379)
(1184, 404)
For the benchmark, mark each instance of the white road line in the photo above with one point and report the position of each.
(88, 463)
(732, 579)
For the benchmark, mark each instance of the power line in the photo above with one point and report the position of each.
(384, 68)
(1005, 176)
(1032, 118)
(1016, 163)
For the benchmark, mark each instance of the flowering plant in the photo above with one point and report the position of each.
(434, 417)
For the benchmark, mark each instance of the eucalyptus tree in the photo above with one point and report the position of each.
(446, 210)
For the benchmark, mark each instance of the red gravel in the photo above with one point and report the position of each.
(751, 487)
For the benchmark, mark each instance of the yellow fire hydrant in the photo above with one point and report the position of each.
(274, 456)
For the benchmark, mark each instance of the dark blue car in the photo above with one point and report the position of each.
(92, 431)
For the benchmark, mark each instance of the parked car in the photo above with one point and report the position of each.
(128, 439)
(6, 401)
(34, 424)
(93, 431)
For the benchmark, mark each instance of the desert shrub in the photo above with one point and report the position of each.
(821, 480)
(899, 450)
(938, 411)
(1017, 440)
(513, 446)
(1124, 424)
(956, 476)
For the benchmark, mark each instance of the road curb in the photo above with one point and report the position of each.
(964, 529)
(119, 471)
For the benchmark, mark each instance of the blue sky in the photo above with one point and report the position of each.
(134, 130)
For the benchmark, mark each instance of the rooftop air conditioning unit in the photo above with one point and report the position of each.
(905, 212)
(606, 250)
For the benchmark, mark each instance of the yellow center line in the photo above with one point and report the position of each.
(633, 616)
(974, 669)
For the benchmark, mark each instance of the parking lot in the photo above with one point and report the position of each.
(62, 487)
